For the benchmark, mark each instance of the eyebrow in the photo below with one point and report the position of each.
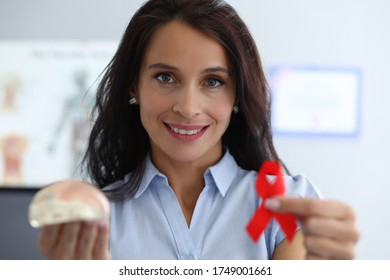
(162, 66)
(172, 68)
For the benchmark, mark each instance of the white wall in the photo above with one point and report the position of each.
(345, 33)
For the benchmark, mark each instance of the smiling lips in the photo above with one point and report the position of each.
(186, 132)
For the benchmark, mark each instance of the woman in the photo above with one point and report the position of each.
(183, 126)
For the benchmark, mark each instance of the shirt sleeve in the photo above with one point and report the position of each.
(296, 186)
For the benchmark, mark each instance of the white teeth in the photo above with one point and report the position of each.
(185, 132)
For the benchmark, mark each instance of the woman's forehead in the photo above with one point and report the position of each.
(180, 44)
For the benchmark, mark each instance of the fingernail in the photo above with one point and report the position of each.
(272, 204)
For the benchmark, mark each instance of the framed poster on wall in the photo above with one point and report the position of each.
(46, 94)
(315, 101)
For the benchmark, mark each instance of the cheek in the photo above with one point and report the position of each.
(148, 99)
(151, 106)
(221, 115)
(222, 111)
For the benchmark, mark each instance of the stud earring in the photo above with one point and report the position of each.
(236, 109)
(133, 101)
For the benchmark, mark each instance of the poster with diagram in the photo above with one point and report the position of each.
(47, 92)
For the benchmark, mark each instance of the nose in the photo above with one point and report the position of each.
(188, 104)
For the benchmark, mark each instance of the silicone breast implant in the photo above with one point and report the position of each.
(68, 201)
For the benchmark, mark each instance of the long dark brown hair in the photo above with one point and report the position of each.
(119, 144)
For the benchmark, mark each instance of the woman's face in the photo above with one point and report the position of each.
(186, 94)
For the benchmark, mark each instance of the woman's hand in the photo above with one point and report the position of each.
(74, 218)
(328, 226)
(75, 240)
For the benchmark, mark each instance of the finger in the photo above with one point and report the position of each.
(48, 238)
(101, 245)
(67, 241)
(86, 240)
(310, 207)
(329, 248)
(330, 228)
(311, 256)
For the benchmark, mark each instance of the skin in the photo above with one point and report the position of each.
(75, 240)
(328, 226)
(180, 85)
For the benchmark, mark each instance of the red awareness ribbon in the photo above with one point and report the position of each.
(265, 189)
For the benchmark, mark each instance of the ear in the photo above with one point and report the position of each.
(236, 100)
(133, 93)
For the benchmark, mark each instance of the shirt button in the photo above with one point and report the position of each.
(187, 258)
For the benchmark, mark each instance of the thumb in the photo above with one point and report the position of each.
(295, 205)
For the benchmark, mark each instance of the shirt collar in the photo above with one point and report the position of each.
(150, 173)
(221, 174)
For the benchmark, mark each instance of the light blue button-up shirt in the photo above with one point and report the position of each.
(151, 225)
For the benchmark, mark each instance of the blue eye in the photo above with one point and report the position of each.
(165, 78)
(213, 83)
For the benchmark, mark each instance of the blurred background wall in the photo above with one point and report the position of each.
(332, 33)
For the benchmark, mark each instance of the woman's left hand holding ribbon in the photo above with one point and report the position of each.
(328, 226)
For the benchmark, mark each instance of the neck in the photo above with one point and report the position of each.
(185, 178)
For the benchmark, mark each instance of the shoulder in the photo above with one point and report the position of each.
(298, 185)
(117, 184)
(301, 186)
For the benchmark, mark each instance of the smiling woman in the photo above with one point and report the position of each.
(185, 104)
(183, 89)
(179, 163)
